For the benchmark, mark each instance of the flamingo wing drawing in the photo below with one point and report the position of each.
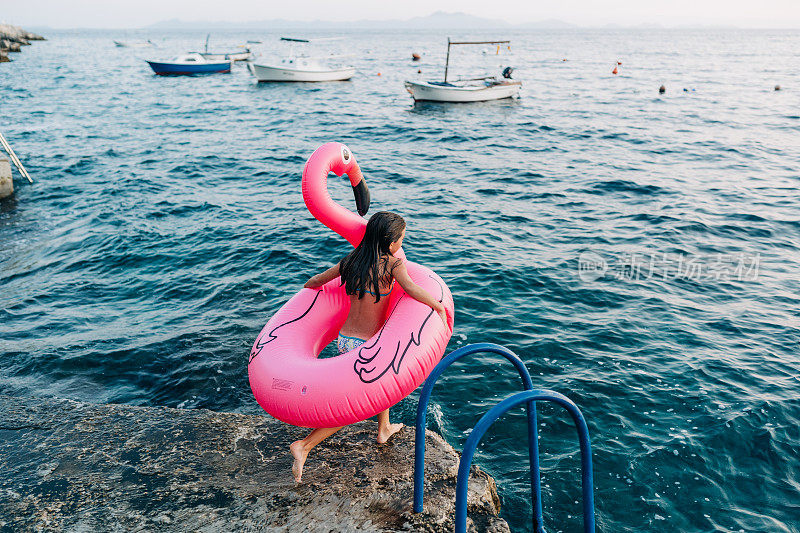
(263, 340)
(373, 362)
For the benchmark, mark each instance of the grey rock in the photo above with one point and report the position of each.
(15, 33)
(9, 45)
(6, 181)
(13, 38)
(70, 466)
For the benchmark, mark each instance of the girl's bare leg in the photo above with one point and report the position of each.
(300, 448)
(385, 429)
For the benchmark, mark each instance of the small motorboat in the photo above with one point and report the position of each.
(134, 44)
(188, 64)
(300, 67)
(466, 90)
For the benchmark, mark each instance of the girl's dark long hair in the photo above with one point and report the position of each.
(362, 270)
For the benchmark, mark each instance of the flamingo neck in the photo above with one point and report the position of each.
(319, 202)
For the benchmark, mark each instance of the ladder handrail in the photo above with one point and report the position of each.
(421, 422)
(528, 397)
(14, 159)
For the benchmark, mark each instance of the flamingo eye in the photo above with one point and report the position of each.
(345, 155)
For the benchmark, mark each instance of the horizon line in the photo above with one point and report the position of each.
(495, 23)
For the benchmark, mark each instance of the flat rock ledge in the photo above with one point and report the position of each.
(71, 466)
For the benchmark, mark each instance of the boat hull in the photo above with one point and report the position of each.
(268, 73)
(438, 93)
(179, 69)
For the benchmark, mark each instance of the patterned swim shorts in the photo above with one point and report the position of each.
(344, 343)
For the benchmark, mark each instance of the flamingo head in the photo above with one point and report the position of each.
(347, 165)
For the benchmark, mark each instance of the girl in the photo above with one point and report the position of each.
(370, 269)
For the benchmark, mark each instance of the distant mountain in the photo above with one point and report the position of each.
(643, 26)
(549, 24)
(442, 20)
(437, 20)
(177, 24)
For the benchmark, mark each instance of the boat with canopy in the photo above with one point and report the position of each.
(478, 89)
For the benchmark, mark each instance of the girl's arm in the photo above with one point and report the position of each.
(415, 291)
(321, 279)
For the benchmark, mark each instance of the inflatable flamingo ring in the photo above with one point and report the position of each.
(288, 379)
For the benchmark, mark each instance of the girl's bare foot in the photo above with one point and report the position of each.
(299, 453)
(386, 432)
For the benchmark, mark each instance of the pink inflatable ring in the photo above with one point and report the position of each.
(286, 376)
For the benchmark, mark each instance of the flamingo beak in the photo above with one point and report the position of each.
(361, 194)
(360, 189)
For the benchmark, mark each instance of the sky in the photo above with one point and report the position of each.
(137, 13)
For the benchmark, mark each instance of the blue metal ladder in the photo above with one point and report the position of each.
(529, 397)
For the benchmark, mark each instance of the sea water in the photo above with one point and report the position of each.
(639, 251)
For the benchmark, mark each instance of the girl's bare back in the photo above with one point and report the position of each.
(366, 315)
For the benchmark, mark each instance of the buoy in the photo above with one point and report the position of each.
(615, 71)
(419, 71)
(662, 90)
(415, 57)
(777, 87)
(379, 73)
(564, 59)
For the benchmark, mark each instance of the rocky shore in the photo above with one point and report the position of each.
(70, 466)
(13, 38)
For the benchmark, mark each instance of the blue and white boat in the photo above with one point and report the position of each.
(188, 64)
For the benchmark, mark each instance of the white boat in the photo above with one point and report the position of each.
(469, 90)
(464, 91)
(300, 68)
